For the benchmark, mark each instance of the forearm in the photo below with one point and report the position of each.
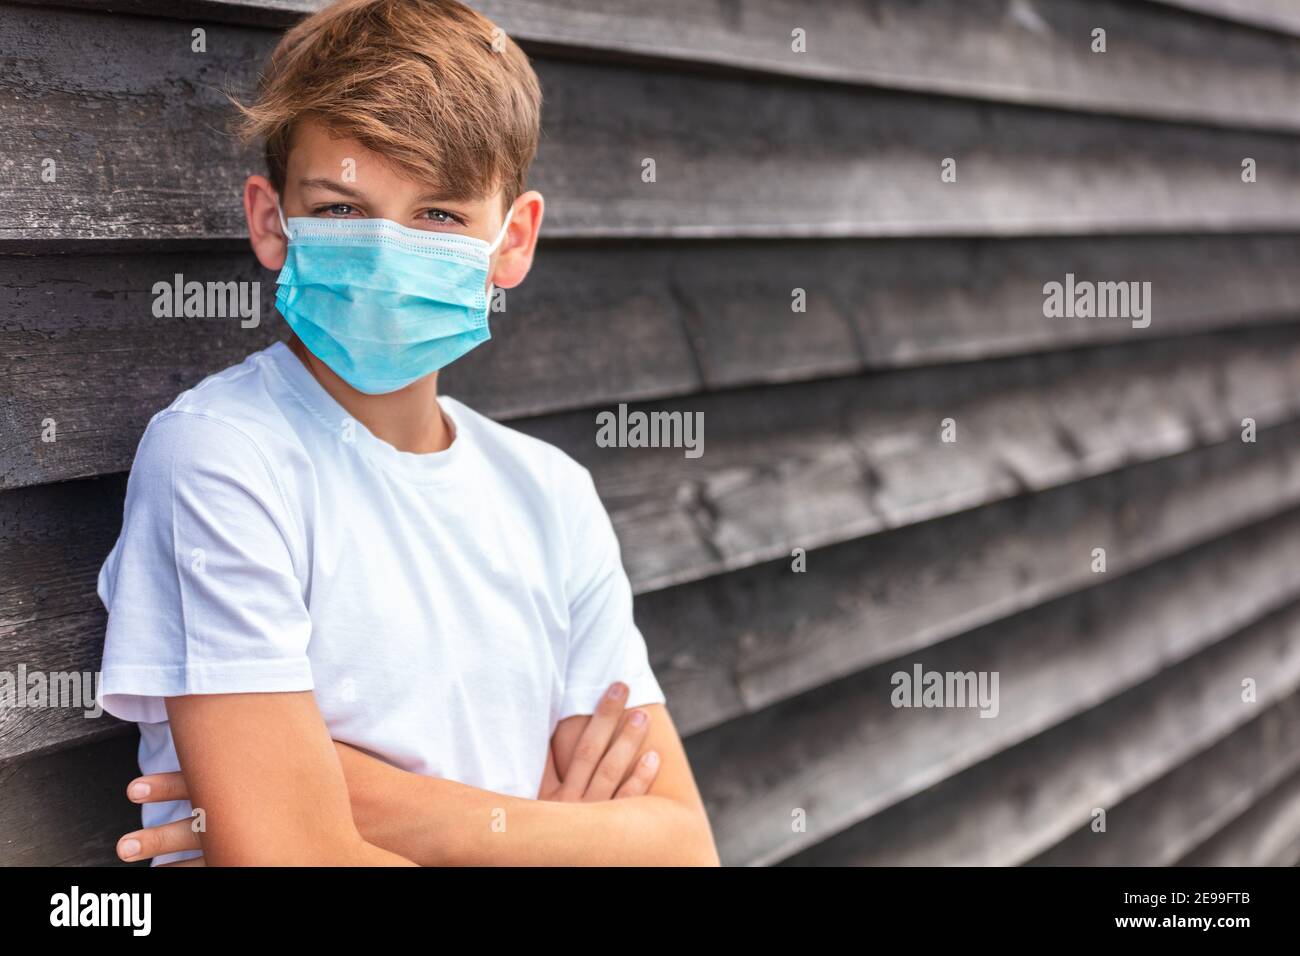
(315, 846)
(366, 853)
(437, 822)
(358, 852)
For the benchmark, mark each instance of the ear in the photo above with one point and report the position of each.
(265, 235)
(514, 257)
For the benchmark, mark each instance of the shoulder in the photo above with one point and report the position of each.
(245, 397)
(227, 428)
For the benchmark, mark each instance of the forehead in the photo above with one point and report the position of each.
(316, 151)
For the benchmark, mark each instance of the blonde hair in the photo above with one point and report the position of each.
(434, 87)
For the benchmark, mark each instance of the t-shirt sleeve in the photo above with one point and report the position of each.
(201, 587)
(605, 643)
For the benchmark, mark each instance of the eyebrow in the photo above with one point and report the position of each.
(323, 183)
(442, 197)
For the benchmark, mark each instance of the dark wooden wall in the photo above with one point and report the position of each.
(775, 171)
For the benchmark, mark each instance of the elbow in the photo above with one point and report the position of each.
(704, 852)
(691, 839)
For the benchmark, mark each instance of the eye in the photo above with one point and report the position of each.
(335, 209)
(442, 217)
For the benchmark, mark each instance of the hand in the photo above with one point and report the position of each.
(603, 765)
(179, 834)
(168, 838)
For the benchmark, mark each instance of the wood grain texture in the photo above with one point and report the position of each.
(774, 634)
(733, 155)
(54, 540)
(1193, 803)
(814, 464)
(613, 321)
(1279, 15)
(69, 807)
(1013, 806)
(1265, 834)
(1162, 64)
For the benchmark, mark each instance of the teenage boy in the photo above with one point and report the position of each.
(357, 622)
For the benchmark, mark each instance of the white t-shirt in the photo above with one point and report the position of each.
(448, 609)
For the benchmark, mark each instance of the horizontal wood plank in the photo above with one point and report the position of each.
(1162, 64)
(1199, 799)
(774, 633)
(1011, 807)
(55, 537)
(733, 155)
(1266, 834)
(1280, 15)
(69, 808)
(814, 464)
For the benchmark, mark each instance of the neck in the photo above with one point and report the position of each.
(408, 419)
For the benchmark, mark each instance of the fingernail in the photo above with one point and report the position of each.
(651, 759)
(128, 848)
(618, 690)
(637, 718)
(138, 790)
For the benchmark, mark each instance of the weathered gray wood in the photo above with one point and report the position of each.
(846, 753)
(69, 808)
(734, 155)
(929, 301)
(813, 464)
(53, 538)
(1010, 808)
(265, 13)
(773, 633)
(1266, 834)
(1280, 15)
(934, 300)
(1157, 64)
(1161, 64)
(1166, 820)
(611, 322)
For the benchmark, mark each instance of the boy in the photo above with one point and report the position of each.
(367, 625)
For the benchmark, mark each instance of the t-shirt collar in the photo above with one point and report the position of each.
(437, 466)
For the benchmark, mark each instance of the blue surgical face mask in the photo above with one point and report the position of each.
(380, 303)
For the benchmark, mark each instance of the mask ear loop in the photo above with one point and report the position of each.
(493, 248)
(283, 225)
(502, 234)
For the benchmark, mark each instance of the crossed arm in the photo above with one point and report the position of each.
(276, 790)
